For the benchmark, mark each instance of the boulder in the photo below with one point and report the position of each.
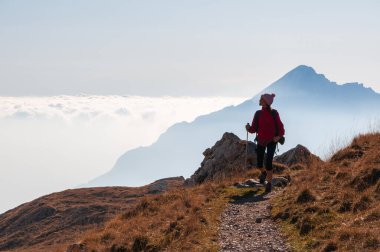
(280, 181)
(298, 155)
(225, 158)
(163, 185)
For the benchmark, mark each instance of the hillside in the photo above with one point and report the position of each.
(335, 205)
(305, 100)
(322, 206)
(60, 217)
(189, 219)
(328, 206)
(163, 214)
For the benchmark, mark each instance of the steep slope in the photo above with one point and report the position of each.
(336, 205)
(59, 217)
(311, 107)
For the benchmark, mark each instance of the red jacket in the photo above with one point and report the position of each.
(264, 126)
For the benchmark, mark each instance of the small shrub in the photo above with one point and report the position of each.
(294, 219)
(140, 243)
(175, 229)
(313, 244)
(366, 179)
(305, 196)
(377, 190)
(306, 227)
(331, 246)
(116, 248)
(106, 237)
(344, 236)
(312, 209)
(374, 216)
(345, 206)
(282, 215)
(324, 211)
(372, 243)
(341, 175)
(362, 204)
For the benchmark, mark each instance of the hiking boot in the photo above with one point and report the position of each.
(262, 177)
(268, 187)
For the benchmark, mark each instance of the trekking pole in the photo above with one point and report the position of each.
(246, 151)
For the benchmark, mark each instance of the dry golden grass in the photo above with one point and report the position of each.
(336, 205)
(52, 222)
(185, 219)
(328, 206)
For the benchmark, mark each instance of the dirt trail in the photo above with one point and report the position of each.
(246, 225)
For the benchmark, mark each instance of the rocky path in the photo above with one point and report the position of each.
(246, 226)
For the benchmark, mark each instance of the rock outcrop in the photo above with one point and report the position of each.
(163, 185)
(299, 155)
(226, 157)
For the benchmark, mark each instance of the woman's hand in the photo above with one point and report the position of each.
(276, 139)
(247, 126)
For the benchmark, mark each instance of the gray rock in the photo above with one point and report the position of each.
(298, 155)
(248, 183)
(252, 182)
(280, 181)
(224, 159)
(241, 185)
(164, 184)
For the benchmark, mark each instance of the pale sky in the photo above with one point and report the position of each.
(177, 47)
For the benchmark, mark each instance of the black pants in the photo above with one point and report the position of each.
(271, 148)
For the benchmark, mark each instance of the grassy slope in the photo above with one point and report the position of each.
(59, 218)
(336, 205)
(179, 220)
(332, 205)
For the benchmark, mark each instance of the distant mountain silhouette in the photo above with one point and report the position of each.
(304, 85)
(313, 109)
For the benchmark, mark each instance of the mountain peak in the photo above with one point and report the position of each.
(302, 71)
(302, 78)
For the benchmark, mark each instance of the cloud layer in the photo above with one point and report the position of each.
(53, 143)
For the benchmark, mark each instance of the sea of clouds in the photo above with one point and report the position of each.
(54, 143)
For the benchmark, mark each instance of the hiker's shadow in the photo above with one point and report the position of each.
(249, 197)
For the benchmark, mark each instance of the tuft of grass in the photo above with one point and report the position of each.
(362, 204)
(305, 196)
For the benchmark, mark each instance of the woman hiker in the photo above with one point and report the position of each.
(269, 129)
